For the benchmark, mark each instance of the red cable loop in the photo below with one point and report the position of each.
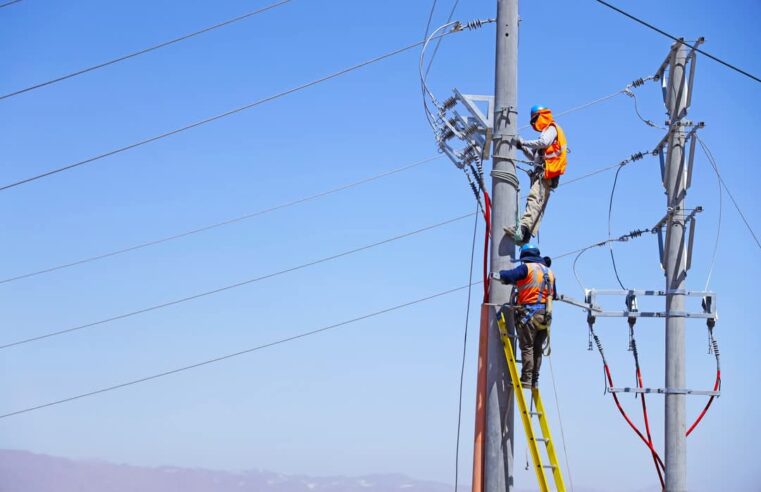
(628, 420)
(708, 405)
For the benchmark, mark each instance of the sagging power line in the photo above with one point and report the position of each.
(232, 286)
(144, 50)
(222, 223)
(680, 40)
(8, 4)
(217, 116)
(234, 354)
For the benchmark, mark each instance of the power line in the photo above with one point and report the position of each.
(718, 224)
(251, 215)
(711, 159)
(633, 234)
(232, 286)
(465, 351)
(626, 90)
(216, 117)
(438, 41)
(144, 50)
(232, 355)
(222, 223)
(680, 40)
(8, 4)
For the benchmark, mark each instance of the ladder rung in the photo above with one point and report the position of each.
(552, 467)
(536, 413)
(541, 439)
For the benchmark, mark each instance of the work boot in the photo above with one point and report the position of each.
(520, 235)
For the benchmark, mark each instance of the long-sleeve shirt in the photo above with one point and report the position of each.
(519, 273)
(531, 148)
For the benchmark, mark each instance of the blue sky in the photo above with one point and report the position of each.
(379, 395)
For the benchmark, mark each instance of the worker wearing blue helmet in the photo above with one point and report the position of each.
(548, 154)
(535, 286)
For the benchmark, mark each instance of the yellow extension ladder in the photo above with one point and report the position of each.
(526, 417)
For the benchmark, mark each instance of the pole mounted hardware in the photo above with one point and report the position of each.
(472, 129)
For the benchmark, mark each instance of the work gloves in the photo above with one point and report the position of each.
(518, 142)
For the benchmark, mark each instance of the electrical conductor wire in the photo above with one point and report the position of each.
(465, 350)
(144, 50)
(678, 40)
(229, 356)
(230, 286)
(8, 4)
(715, 165)
(215, 117)
(222, 223)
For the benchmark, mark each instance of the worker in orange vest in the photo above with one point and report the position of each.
(532, 309)
(548, 155)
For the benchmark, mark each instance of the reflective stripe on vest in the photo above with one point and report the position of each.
(533, 289)
(555, 156)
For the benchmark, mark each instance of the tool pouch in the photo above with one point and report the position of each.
(541, 319)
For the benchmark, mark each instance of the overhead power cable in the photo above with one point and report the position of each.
(8, 4)
(633, 234)
(251, 215)
(231, 355)
(144, 50)
(436, 48)
(626, 90)
(216, 117)
(715, 165)
(231, 286)
(680, 40)
(632, 158)
(718, 224)
(222, 223)
(465, 351)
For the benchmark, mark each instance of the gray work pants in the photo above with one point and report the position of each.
(536, 202)
(530, 340)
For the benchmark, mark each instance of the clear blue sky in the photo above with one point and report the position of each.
(379, 395)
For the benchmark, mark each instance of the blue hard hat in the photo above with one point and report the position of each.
(529, 249)
(536, 108)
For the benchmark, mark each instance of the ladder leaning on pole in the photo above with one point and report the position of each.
(527, 414)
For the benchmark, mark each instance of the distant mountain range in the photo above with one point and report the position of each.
(22, 471)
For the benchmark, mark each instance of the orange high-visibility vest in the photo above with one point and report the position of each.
(555, 156)
(530, 288)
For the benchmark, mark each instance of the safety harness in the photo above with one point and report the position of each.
(526, 314)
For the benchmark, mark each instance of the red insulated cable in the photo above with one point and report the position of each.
(487, 238)
(628, 420)
(647, 428)
(708, 405)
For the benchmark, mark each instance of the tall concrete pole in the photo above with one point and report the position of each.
(676, 271)
(499, 428)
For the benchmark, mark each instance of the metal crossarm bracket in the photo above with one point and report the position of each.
(474, 129)
(688, 221)
(708, 312)
(686, 81)
(666, 391)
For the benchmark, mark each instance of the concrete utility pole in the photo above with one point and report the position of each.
(499, 429)
(675, 264)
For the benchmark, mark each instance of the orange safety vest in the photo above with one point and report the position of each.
(555, 156)
(536, 288)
